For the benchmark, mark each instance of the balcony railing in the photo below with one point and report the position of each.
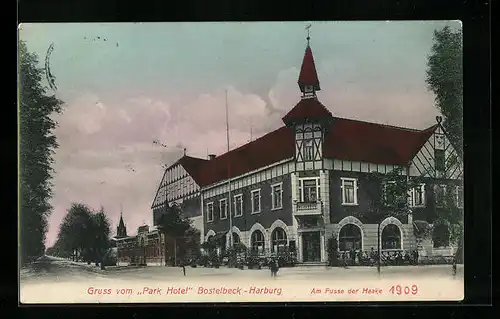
(309, 208)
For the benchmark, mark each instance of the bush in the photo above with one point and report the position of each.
(253, 260)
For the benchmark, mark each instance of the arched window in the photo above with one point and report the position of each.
(350, 238)
(236, 239)
(391, 237)
(257, 240)
(441, 235)
(278, 238)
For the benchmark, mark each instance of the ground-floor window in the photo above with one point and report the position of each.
(441, 235)
(350, 238)
(257, 240)
(279, 240)
(391, 237)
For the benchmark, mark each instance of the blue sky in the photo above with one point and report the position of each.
(144, 81)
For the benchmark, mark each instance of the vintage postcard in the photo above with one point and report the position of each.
(240, 162)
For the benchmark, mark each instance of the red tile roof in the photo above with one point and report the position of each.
(346, 140)
(308, 74)
(307, 108)
(193, 166)
(374, 143)
(266, 150)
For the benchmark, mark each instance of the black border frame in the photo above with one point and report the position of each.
(475, 16)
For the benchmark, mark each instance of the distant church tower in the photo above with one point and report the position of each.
(121, 230)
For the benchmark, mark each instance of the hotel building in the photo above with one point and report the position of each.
(303, 183)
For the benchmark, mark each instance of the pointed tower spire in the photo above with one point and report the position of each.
(121, 230)
(308, 78)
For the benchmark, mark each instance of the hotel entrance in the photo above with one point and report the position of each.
(311, 246)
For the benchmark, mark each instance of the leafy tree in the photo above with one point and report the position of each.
(84, 233)
(191, 240)
(173, 224)
(388, 196)
(36, 147)
(75, 231)
(100, 228)
(445, 79)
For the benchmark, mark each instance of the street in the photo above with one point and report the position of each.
(55, 280)
(60, 270)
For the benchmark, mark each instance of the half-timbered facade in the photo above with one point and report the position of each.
(303, 183)
(179, 185)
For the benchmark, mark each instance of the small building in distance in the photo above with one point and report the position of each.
(144, 248)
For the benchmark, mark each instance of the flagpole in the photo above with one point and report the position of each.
(229, 180)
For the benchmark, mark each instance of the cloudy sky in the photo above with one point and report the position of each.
(126, 85)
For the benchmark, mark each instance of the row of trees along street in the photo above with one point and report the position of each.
(84, 234)
(37, 144)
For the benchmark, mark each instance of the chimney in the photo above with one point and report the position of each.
(211, 156)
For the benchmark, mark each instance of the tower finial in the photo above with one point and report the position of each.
(308, 27)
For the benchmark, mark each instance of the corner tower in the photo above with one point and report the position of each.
(309, 119)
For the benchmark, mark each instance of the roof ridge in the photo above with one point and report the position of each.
(248, 143)
(386, 125)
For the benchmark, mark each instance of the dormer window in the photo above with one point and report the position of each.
(308, 89)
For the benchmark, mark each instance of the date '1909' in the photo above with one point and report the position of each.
(403, 290)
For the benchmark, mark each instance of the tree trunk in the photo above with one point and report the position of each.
(175, 251)
(378, 248)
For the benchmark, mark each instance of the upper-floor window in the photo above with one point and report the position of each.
(308, 150)
(210, 212)
(309, 190)
(256, 201)
(440, 192)
(223, 208)
(277, 196)
(417, 196)
(460, 196)
(349, 189)
(439, 159)
(238, 205)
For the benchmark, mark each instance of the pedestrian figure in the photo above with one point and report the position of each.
(274, 268)
(183, 265)
(416, 256)
(344, 257)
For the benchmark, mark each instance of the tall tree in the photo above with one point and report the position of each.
(173, 224)
(36, 147)
(445, 79)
